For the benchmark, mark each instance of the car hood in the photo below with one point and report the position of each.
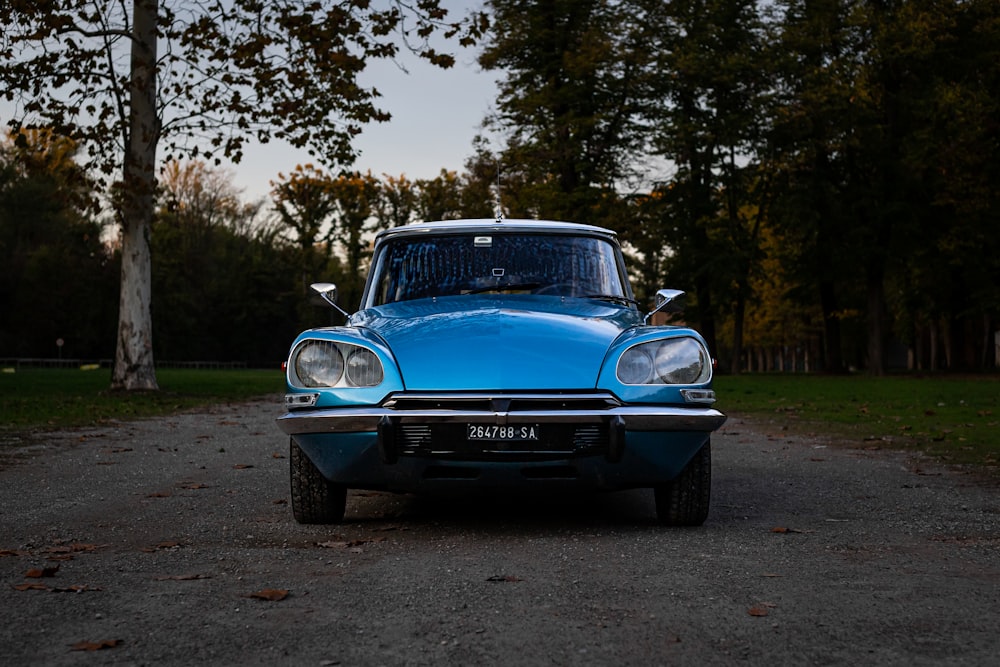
(498, 342)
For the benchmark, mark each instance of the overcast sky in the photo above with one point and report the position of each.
(435, 115)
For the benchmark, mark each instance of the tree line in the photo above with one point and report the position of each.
(819, 175)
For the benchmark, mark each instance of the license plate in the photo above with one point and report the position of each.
(516, 433)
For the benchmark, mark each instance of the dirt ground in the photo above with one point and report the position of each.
(170, 542)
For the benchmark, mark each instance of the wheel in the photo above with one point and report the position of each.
(315, 499)
(684, 501)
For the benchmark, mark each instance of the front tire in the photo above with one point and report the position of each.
(315, 499)
(684, 500)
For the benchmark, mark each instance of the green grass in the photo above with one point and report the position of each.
(37, 399)
(955, 418)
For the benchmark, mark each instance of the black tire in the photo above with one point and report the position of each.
(315, 499)
(684, 501)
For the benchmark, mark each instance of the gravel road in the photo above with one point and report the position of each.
(171, 542)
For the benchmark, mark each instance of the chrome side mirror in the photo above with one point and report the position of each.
(328, 292)
(667, 300)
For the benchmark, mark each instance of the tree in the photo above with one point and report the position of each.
(708, 85)
(219, 274)
(569, 101)
(198, 78)
(55, 269)
(398, 202)
(355, 199)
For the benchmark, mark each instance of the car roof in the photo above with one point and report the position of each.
(491, 225)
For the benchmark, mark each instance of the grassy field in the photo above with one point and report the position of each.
(38, 398)
(956, 418)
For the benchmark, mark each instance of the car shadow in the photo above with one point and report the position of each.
(542, 511)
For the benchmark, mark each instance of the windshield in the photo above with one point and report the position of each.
(418, 268)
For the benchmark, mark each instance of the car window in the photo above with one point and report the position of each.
(418, 268)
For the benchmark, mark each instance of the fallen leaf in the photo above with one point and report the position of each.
(242, 466)
(270, 594)
(182, 577)
(40, 572)
(277, 455)
(784, 530)
(758, 610)
(332, 545)
(96, 646)
(195, 485)
(279, 501)
(12, 552)
(75, 547)
(504, 578)
(31, 587)
(159, 494)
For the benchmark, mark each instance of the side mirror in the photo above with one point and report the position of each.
(667, 300)
(328, 292)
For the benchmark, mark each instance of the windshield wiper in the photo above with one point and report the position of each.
(501, 288)
(614, 298)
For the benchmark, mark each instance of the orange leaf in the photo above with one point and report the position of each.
(758, 610)
(31, 587)
(96, 646)
(39, 572)
(270, 594)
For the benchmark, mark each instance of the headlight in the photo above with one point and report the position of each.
(670, 361)
(635, 366)
(363, 368)
(318, 363)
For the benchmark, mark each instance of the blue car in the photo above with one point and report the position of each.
(499, 354)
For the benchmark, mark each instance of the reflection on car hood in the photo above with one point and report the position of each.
(492, 342)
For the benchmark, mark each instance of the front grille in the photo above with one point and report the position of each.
(422, 425)
(501, 402)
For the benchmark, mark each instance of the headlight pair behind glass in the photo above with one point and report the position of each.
(320, 363)
(670, 361)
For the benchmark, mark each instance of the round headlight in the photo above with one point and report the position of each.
(319, 364)
(635, 366)
(680, 361)
(363, 368)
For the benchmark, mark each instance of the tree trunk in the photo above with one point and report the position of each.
(134, 368)
(833, 359)
(877, 351)
(739, 317)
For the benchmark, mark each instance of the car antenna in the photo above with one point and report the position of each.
(499, 206)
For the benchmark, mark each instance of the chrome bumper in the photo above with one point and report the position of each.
(631, 417)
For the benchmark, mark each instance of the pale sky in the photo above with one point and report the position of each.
(435, 116)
